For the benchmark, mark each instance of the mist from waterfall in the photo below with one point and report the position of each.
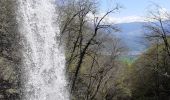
(43, 58)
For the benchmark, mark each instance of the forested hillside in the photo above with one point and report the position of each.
(98, 63)
(95, 75)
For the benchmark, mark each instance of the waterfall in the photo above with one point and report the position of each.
(43, 58)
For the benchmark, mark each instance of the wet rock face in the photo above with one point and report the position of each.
(9, 52)
(9, 89)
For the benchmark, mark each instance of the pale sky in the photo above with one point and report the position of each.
(133, 10)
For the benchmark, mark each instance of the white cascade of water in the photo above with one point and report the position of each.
(43, 59)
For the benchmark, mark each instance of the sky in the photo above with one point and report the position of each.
(132, 10)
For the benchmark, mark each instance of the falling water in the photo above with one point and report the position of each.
(44, 70)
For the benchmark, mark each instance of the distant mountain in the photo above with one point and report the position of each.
(132, 36)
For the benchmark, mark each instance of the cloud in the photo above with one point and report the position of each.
(163, 14)
(116, 20)
(155, 13)
(126, 19)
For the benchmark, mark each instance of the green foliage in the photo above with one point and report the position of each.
(128, 59)
(149, 81)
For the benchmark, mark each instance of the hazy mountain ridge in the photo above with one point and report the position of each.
(132, 36)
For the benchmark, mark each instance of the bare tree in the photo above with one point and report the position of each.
(158, 26)
(157, 30)
(87, 46)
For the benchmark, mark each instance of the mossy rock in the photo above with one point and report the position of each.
(8, 80)
(7, 70)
